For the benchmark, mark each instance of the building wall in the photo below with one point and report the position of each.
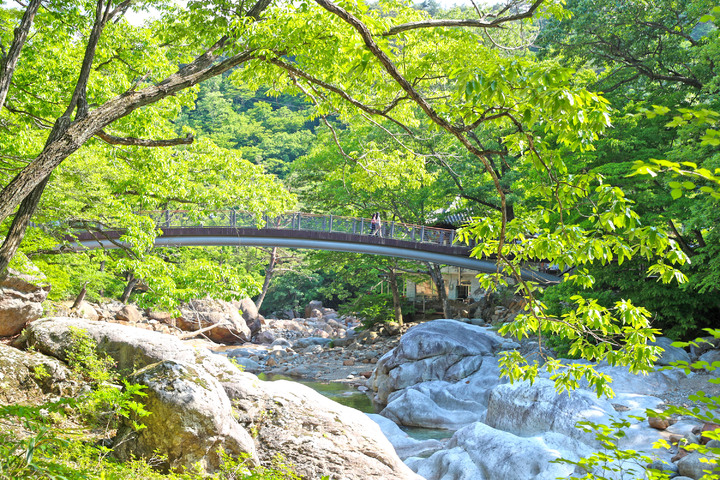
(452, 276)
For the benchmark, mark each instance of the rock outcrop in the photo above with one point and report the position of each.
(314, 434)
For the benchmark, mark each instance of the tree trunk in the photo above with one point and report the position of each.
(132, 281)
(9, 62)
(81, 296)
(397, 301)
(437, 278)
(269, 270)
(19, 225)
(27, 206)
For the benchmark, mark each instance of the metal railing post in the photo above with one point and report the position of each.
(422, 234)
(362, 225)
(392, 229)
(330, 224)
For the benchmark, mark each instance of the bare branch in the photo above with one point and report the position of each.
(468, 22)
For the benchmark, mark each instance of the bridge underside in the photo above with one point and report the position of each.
(336, 241)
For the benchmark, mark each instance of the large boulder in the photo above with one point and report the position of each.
(443, 350)
(230, 327)
(318, 436)
(85, 310)
(250, 314)
(26, 376)
(480, 452)
(21, 297)
(190, 420)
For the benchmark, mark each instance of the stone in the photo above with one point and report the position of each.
(129, 346)
(21, 297)
(692, 465)
(349, 362)
(670, 468)
(707, 427)
(283, 343)
(190, 420)
(163, 317)
(248, 364)
(85, 310)
(129, 313)
(315, 435)
(265, 338)
(438, 350)
(231, 327)
(419, 407)
(308, 341)
(658, 423)
(712, 357)
(670, 353)
(705, 344)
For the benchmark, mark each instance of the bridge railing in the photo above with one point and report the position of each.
(303, 221)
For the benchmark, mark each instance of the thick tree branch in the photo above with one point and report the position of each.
(142, 142)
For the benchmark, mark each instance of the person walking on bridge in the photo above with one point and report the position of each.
(376, 225)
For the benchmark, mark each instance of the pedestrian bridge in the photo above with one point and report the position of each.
(302, 230)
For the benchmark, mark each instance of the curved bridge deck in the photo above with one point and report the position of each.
(301, 230)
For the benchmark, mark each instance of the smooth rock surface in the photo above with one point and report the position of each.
(405, 446)
(314, 434)
(250, 314)
(480, 452)
(531, 409)
(317, 435)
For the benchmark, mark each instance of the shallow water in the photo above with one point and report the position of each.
(341, 393)
(350, 397)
